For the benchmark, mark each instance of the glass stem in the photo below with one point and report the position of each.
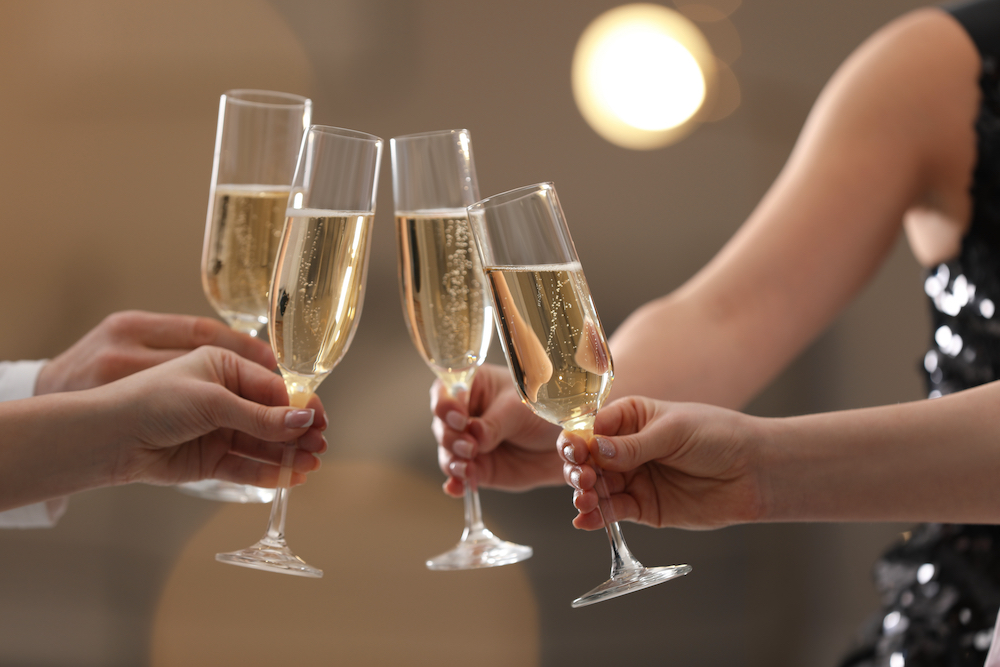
(474, 526)
(279, 507)
(623, 562)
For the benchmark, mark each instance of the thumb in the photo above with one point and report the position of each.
(623, 453)
(632, 432)
(268, 423)
(618, 453)
(506, 418)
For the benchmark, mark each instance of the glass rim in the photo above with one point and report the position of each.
(344, 132)
(512, 195)
(265, 98)
(431, 133)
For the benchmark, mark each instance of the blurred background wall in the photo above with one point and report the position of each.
(106, 138)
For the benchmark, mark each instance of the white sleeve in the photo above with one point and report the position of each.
(17, 380)
(40, 515)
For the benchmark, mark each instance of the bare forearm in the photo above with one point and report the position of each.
(936, 460)
(53, 446)
(693, 347)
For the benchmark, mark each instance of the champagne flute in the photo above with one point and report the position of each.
(316, 294)
(447, 310)
(256, 142)
(553, 340)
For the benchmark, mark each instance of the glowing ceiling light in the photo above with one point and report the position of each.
(647, 78)
(640, 74)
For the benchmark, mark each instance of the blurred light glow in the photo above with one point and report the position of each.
(641, 72)
(647, 78)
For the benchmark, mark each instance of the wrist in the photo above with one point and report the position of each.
(92, 426)
(113, 418)
(55, 445)
(774, 457)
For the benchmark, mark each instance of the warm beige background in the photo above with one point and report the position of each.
(106, 136)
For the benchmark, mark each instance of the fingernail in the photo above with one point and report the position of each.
(457, 469)
(569, 453)
(456, 420)
(299, 418)
(462, 448)
(574, 477)
(605, 447)
(576, 497)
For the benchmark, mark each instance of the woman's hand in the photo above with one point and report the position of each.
(495, 439)
(210, 413)
(131, 341)
(667, 464)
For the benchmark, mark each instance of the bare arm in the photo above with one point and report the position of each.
(892, 129)
(922, 461)
(210, 413)
(699, 466)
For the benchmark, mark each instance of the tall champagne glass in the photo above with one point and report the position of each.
(316, 293)
(447, 309)
(555, 346)
(256, 142)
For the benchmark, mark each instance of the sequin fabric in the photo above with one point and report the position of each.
(940, 587)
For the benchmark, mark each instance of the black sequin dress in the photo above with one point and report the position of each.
(940, 587)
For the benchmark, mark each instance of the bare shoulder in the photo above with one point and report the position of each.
(927, 68)
(906, 102)
(924, 56)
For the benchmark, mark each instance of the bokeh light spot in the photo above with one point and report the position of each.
(641, 73)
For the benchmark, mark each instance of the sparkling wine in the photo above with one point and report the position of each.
(445, 304)
(318, 292)
(241, 242)
(554, 341)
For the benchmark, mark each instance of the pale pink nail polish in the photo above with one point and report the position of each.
(299, 418)
(457, 469)
(456, 420)
(462, 448)
(605, 447)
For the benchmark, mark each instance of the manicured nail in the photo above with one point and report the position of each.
(457, 469)
(462, 448)
(574, 477)
(299, 418)
(605, 447)
(456, 420)
(576, 497)
(569, 453)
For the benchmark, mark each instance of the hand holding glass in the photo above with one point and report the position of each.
(316, 293)
(447, 309)
(555, 346)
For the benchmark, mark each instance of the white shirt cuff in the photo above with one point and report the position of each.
(40, 515)
(18, 378)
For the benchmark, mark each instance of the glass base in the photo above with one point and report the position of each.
(483, 550)
(229, 492)
(630, 581)
(272, 556)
